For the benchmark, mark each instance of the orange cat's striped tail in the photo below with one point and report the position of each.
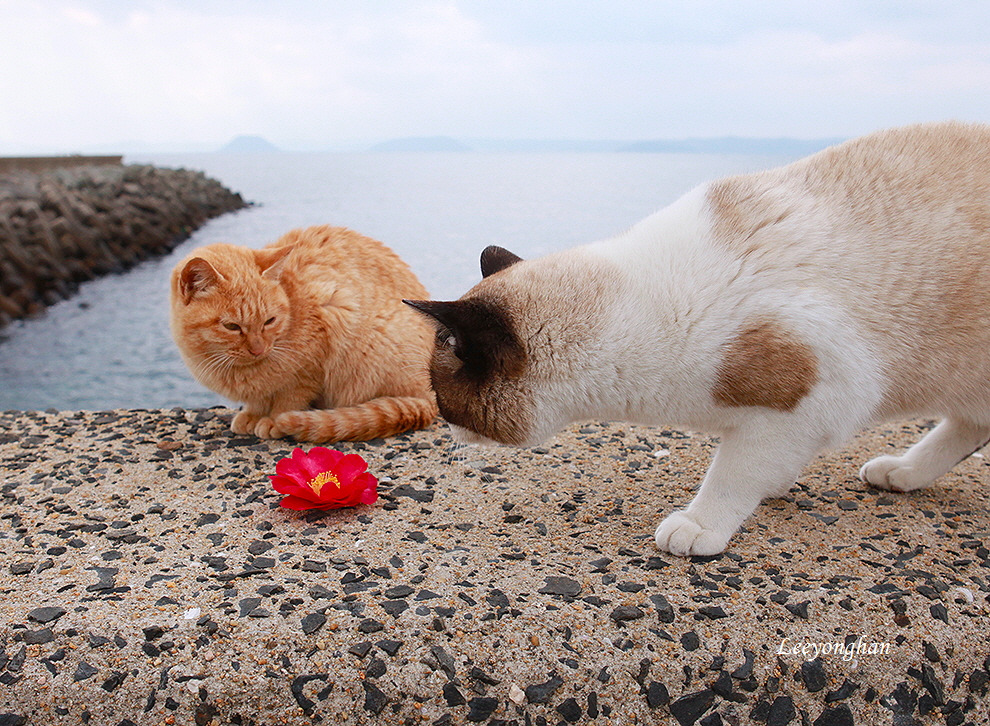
(373, 419)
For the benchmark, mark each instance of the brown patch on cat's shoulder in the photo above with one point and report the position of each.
(765, 365)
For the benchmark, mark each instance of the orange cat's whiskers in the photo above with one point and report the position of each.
(286, 355)
(215, 363)
(286, 352)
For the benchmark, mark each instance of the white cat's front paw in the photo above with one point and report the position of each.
(892, 474)
(681, 535)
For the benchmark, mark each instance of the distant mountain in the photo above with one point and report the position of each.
(422, 143)
(731, 145)
(541, 146)
(249, 145)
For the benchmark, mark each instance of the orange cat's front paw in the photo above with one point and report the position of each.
(266, 428)
(243, 423)
(263, 427)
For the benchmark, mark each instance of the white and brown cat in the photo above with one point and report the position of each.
(309, 333)
(782, 310)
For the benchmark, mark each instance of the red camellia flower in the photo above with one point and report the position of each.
(323, 479)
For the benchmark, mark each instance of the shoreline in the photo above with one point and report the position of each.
(148, 574)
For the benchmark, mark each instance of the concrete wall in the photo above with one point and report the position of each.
(51, 163)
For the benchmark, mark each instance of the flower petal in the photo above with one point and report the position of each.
(311, 465)
(286, 485)
(294, 467)
(349, 467)
(369, 493)
(324, 459)
(298, 504)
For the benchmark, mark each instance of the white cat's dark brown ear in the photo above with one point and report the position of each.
(478, 333)
(440, 312)
(271, 260)
(197, 276)
(495, 259)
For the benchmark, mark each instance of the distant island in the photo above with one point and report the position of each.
(248, 145)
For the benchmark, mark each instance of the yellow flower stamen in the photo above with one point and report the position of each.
(322, 479)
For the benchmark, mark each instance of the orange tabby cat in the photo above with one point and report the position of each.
(309, 333)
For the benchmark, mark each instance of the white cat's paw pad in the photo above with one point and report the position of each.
(892, 474)
(680, 535)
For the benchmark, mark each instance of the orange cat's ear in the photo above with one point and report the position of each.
(197, 276)
(271, 260)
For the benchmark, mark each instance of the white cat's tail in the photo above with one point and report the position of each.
(373, 419)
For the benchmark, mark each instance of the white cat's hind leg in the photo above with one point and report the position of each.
(749, 465)
(941, 449)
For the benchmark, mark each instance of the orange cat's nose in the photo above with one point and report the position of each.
(256, 346)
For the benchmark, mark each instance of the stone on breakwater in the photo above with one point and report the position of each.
(61, 228)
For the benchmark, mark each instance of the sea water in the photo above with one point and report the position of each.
(109, 345)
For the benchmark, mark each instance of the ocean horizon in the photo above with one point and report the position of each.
(254, 144)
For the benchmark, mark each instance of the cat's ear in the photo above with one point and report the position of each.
(197, 276)
(447, 314)
(495, 259)
(477, 333)
(271, 260)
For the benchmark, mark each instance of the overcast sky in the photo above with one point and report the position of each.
(76, 75)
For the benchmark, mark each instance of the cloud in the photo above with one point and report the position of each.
(770, 83)
(309, 74)
(173, 72)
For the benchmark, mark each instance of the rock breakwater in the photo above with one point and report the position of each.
(62, 227)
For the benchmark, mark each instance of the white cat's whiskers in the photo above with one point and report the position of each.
(455, 452)
(413, 366)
